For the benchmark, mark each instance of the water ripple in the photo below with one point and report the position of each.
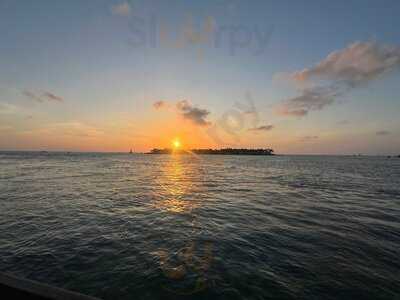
(164, 227)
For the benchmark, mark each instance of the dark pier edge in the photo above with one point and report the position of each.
(18, 288)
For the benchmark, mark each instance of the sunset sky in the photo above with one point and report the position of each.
(318, 77)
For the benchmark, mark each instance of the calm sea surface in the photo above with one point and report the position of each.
(121, 226)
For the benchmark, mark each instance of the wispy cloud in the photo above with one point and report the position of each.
(341, 71)
(51, 97)
(76, 128)
(122, 9)
(43, 96)
(7, 108)
(70, 128)
(308, 138)
(309, 100)
(160, 104)
(196, 115)
(5, 128)
(32, 96)
(343, 122)
(382, 132)
(262, 128)
(357, 64)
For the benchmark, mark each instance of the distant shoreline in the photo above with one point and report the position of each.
(226, 151)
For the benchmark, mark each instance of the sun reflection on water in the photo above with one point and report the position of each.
(176, 185)
(185, 269)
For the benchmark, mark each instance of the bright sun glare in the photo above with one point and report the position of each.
(177, 144)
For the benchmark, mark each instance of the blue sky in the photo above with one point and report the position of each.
(110, 61)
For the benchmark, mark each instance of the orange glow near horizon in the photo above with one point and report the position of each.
(177, 144)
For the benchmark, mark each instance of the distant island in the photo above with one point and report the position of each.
(225, 151)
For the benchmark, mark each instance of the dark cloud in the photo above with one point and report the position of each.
(51, 97)
(189, 112)
(382, 132)
(43, 97)
(262, 128)
(339, 72)
(196, 115)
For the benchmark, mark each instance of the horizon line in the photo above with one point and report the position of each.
(147, 152)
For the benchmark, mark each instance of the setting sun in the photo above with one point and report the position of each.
(177, 144)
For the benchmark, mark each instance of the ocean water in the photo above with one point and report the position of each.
(121, 226)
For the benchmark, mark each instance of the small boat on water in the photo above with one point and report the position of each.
(131, 152)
